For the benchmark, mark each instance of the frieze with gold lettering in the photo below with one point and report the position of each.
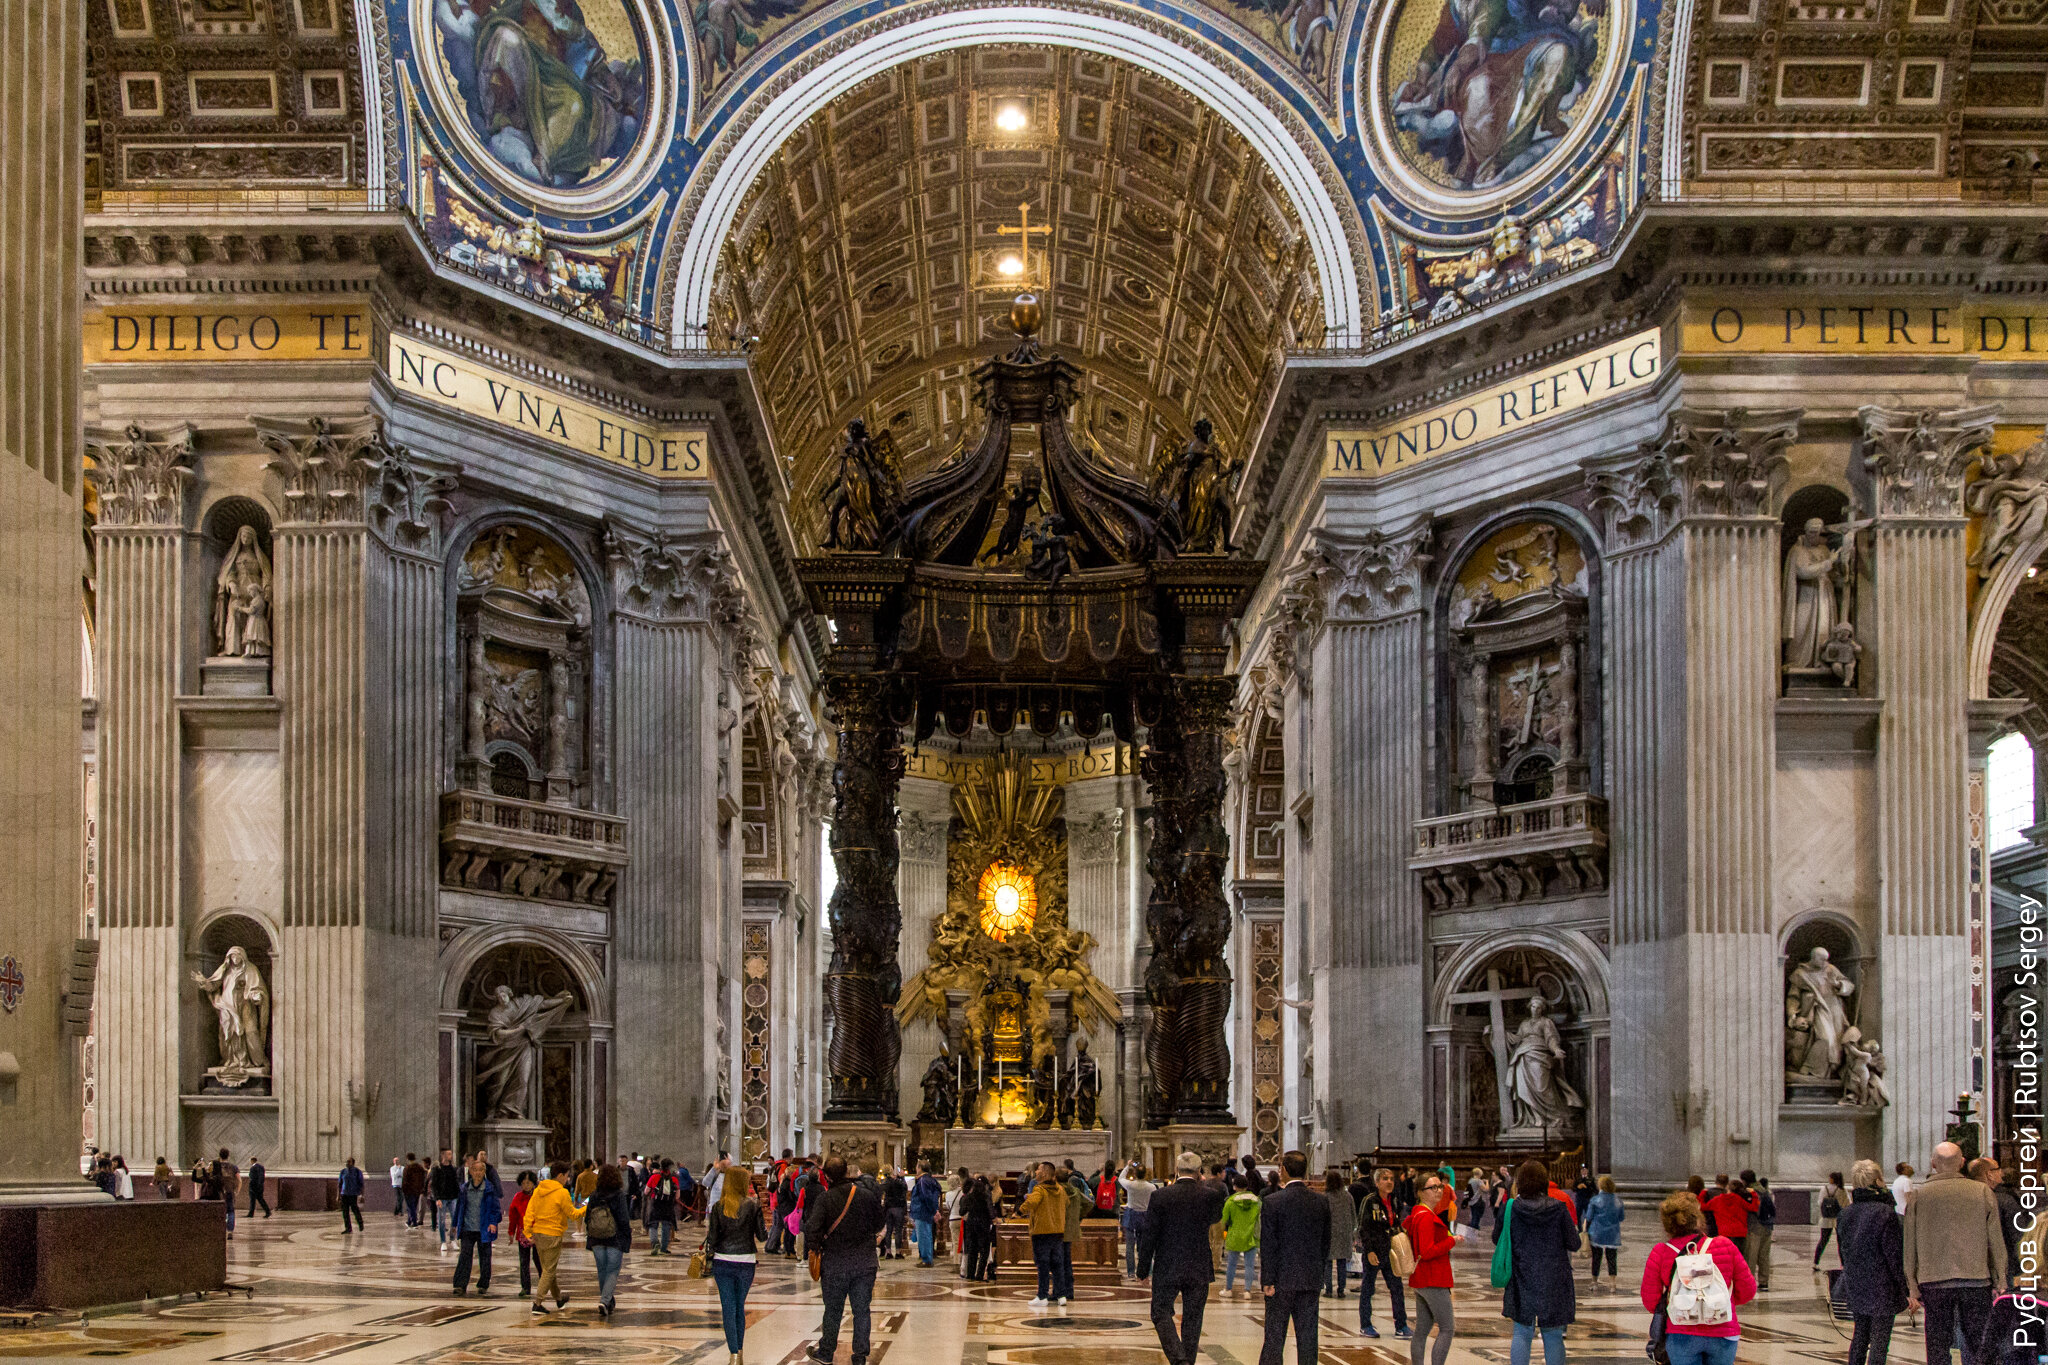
(187, 335)
(1849, 324)
(517, 403)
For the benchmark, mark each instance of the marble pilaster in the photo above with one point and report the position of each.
(1692, 538)
(923, 808)
(1366, 708)
(1103, 900)
(42, 107)
(673, 597)
(142, 478)
(1920, 596)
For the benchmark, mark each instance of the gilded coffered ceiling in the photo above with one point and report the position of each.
(872, 262)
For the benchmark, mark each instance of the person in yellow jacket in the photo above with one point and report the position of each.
(549, 1212)
(1045, 1208)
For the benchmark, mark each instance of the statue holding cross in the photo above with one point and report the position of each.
(1528, 1061)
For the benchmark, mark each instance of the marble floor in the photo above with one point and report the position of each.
(384, 1296)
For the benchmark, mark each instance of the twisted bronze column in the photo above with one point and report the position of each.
(863, 979)
(1188, 983)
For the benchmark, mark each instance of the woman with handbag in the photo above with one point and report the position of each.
(1431, 1240)
(1870, 1238)
(1692, 1285)
(731, 1245)
(608, 1232)
(1541, 1236)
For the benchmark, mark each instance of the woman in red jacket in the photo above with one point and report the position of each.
(1713, 1344)
(1431, 1280)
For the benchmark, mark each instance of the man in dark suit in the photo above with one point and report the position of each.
(1176, 1239)
(1294, 1252)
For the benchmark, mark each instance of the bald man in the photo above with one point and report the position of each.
(1955, 1254)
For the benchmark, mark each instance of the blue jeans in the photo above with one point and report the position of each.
(444, 1218)
(1251, 1268)
(608, 1259)
(1134, 1232)
(1553, 1344)
(734, 1279)
(229, 1200)
(659, 1234)
(1686, 1349)
(921, 1229)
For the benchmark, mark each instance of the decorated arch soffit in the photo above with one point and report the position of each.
(563, 148)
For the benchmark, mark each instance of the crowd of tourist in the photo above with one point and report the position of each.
(1947, 1248)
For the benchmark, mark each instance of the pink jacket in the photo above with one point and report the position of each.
(1741, 1284)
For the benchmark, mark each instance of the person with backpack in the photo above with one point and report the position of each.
(1833, 1199)
(350, 1183)
(1604, 1217)
(1761, 1225)
(1427, 1238)
(1240, 1242)
(661, 1208)
(1539, 1237)
(1870, 1241)
(228, 1181)
(608, 1232)
(1379, 1218)
(1692, 1285)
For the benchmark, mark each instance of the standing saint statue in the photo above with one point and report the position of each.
(241, 1007)
(1815, 574)
(1543, 1098)
(508, 1066)
(1815, 1019)
(241, 600)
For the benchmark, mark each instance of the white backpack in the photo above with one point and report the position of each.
(1700, 1296)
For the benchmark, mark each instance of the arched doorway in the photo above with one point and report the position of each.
(526, 1054)
(1519, 1046)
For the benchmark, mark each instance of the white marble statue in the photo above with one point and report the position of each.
(508, 1067)
(1814, 578)
(1863, 1071)
(1543, 1098)
(241, 600)
(1815, 1018)
(241, 1007)
(2012, 498)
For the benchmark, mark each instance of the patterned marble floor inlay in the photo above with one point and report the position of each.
(386, 1297)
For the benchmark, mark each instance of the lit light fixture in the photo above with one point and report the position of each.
(1010, 265)
(1012, 116)
(1009, 901)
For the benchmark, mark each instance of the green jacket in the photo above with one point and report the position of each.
(1077, 1200)
(1241, 1222)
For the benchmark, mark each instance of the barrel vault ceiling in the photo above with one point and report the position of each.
(868, 263)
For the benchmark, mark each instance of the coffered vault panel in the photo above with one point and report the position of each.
(868, 259)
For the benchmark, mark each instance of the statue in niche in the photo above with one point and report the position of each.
(938, 1088)
(558, 719)
(1816, 586)
(1839, 653)
(1044, 1091)
(1863, 1071)
(1087, 1084)
(241, 600)
(1543, 1098)
(241, 1007)
(1816, 1020)
(1067, 1096)
(508, 1067)
(2012, 497)
(515, 699)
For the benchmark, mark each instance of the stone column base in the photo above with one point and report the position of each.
(512, 1145)
(868, 1144)
(1213, 1142)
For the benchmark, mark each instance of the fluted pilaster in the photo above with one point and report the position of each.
(1692, 538)
(142, 478)
(1918, 462)
(1365, 652)
(42, 116)
(672, 598)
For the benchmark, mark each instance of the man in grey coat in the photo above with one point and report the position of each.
(1954, 1253)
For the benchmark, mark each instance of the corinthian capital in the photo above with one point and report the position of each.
(1720, 466)
(408, 499)
(1918, 459)
(140, 475)
(324, 464)
(1372, 576)
(674, 578)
